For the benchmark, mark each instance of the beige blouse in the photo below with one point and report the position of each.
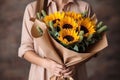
(30, 43)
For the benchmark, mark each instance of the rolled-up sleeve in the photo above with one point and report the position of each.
(26, 38)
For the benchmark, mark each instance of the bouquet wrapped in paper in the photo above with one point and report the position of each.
(69, 38)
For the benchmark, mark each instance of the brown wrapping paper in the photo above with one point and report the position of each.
(55, 51)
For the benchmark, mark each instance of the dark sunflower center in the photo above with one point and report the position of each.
(67, 26)
(84, 29)
(69, 38)
(77, 29)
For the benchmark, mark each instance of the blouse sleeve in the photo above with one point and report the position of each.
(26, 38)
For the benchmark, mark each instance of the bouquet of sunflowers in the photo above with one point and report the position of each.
(73, 30)
(71, 36)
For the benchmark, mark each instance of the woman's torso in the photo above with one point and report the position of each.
(37, 72)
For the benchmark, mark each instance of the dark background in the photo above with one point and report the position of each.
(105, 67)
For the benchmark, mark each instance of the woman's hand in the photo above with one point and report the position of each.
(69, 71)
(58, 69)
(52, 66)
(49, 64)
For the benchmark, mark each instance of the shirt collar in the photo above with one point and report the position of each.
(50, 1)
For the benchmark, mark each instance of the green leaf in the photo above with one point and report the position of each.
(86, 43)
(81, 33)
(51, 26)
(38, 15)
(92, 41)
(99, 25)
(83, 48)
(89, 37)
(40, 30)
(43, 13)
(102, 29)
(81, 39)
(76, 48)
(52, 33)
(55, 33)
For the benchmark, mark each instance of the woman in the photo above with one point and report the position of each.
(29, 50)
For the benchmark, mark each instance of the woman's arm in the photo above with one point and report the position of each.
(26, 49)
(43, 62)
(33, 58)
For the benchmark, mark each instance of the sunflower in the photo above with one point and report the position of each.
(74, 15)
(68, 36)
(68, 23)
(88, 26)
(56, 17)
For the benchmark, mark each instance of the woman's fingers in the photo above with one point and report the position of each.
(53, 66)
(56, 73)
(68, 71)
(58, 69)
(59, 66)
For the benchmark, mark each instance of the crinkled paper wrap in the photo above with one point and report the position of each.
(55, 51)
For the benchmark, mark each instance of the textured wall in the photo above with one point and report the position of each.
(104, 67)
(11, 13)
